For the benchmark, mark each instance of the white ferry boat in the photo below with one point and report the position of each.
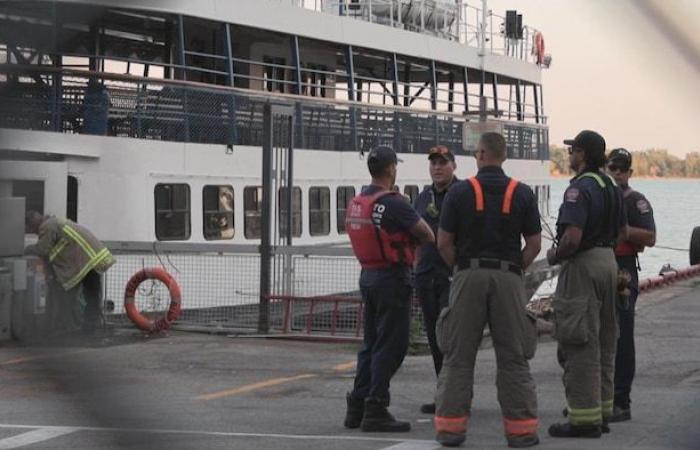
(143, 119)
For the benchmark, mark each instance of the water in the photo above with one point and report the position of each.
(676, 212)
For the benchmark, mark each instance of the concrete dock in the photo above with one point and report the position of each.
(185, 391)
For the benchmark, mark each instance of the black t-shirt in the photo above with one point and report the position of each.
(493, 239)
(428, 205)
(584, 206)
(393, 213)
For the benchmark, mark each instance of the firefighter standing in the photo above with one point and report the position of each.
(641, 232)
(481, 225)
(382, 226)
(77, 258)
(590, 219)
(432, 276)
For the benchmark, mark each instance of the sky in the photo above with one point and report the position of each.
(615, 72)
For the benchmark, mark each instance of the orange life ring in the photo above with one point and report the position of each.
(538, 47)
(142, 322)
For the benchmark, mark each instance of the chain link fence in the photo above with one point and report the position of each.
(314, 289)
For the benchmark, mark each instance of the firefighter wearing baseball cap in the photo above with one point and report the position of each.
(641, 232)
(383, 228)
(590, 219)
(432, 276)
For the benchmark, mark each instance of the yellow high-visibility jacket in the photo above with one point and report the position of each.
(72, 250)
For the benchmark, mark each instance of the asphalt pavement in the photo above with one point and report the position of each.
(187, 390)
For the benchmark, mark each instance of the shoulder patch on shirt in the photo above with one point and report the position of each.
(643, 206)
(571, 195)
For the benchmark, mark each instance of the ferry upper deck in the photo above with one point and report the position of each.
(414, 73)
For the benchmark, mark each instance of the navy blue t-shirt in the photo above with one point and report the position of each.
(428, 205)
(639, 215)
(458, 215)
(393, 213)
(584, 206)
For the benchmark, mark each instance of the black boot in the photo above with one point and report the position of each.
(573, 431)
(527, 440)
(450, 439)
(378, 418)
(620, 414)
(356, 409)
(428, 408)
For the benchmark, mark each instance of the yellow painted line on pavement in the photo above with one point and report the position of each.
(23, 359)
(344, 366)
(254, 387)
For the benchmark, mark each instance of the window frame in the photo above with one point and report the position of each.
(320, 211)
(282, 222)
(187, 211)
(220, 211)
(340, 222)
(251, 214)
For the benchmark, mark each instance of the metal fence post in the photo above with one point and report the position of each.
(266, 231)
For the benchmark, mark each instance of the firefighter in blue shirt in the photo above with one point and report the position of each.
(432, 276)
(641, 232)
(591, 218)
(383, 229)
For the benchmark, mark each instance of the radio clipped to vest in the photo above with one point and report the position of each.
(373, 246)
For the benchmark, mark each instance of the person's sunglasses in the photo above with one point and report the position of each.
(616, 168)
(571, 150)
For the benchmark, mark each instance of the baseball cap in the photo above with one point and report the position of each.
(381, 157)
(620, 156)
(442, 152)
(589, 141)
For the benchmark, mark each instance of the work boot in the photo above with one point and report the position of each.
(620, 414)
(527, 440)
(605, 428)
(428, 408)
(378, 418)
(450, 439)
(574, 431)
(356, 408)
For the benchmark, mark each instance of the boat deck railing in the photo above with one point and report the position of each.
(82, 102)
(454, 20)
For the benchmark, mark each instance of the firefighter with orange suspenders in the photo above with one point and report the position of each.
(383, 229)
(481, 225)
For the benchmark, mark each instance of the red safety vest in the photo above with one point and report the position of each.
(373, 246)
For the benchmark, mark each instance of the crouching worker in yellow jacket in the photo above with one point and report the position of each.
(77, 258)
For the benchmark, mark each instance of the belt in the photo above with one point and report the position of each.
(487, 263)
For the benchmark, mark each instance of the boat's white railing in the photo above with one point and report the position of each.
(454, 20)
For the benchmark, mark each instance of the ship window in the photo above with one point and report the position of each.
(252, 205)
(319, 211)
(296, 211)
(218, 212)
(343, 196)
(172, 212)
(412, 191)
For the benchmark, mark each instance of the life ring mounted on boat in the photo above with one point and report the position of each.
(538, 47)
(142, 322)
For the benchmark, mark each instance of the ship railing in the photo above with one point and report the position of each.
(75, 101)
(447, 19)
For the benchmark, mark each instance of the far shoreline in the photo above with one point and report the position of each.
(634, 177)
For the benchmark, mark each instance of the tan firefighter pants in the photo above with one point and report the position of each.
(585, 327)
(497, 298)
